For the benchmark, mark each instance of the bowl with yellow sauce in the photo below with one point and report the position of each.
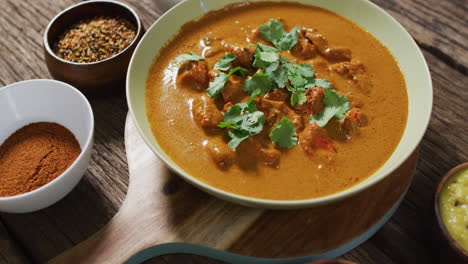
(451, 211)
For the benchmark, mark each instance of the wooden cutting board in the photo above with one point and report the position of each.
(162, 214)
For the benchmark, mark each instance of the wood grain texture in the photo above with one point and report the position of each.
(9, 250)
(438, 26)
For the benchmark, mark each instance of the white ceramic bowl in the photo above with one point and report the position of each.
(370, 17)
(33, 101)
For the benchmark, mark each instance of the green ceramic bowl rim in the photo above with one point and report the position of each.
(288, 204)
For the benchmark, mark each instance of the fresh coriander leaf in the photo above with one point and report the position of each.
(233, 115)
(336, 107)
(217, 85)
(249, 106)
(301, 78)
(263, 59)
(306, 70)
(258, 63)
(272, 32)
(268, 56)
(188, 57)
(288, 40)
(297, 94)
(323, 117)
(267, 48)
(243, 120)
(272, 67)
(240, 71)
(236, 138)
(284, 60)
(291, 67)
(279, 76)
(297, 80)
(253, 122)
(324, 83)
(298, 97)
(339, 101)
(226, 124)
(252, 97)
(225, 63)
(259, 81)
(284, 134)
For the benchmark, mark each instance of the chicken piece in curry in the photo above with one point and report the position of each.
(276, 100)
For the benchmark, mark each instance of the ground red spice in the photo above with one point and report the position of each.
(35, 155)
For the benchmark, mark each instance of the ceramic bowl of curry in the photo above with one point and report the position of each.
(96, 77)
(259, 104)
(38, 156)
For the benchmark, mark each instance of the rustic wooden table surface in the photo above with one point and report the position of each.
(439, 27)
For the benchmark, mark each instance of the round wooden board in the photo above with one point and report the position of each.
(163, 214)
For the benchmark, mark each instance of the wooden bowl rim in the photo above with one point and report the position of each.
(453, 243)
(138, 34)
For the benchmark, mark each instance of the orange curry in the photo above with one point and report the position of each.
(276, 100)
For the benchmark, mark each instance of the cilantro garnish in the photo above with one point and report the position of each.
(305, 70)
(188, 57)
(279, 77)
(288, 40)
(324, 83)
(272, 67)
(266, 58)
(232, 116)
(298, 96)
(260, 82)
(284, 60)
(217, 85)
(336, 107)
(301, 78)
(225, 63)
(274, 33)
(267, 48)
(243, 120)
(240, 71)
(284, 134)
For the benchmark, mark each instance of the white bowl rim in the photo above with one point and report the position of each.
(53, 20)
(286, 204)
(89, 136)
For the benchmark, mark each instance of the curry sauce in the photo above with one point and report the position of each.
(326, 160)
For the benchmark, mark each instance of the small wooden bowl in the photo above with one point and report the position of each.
(449, 250)
(97, 78)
